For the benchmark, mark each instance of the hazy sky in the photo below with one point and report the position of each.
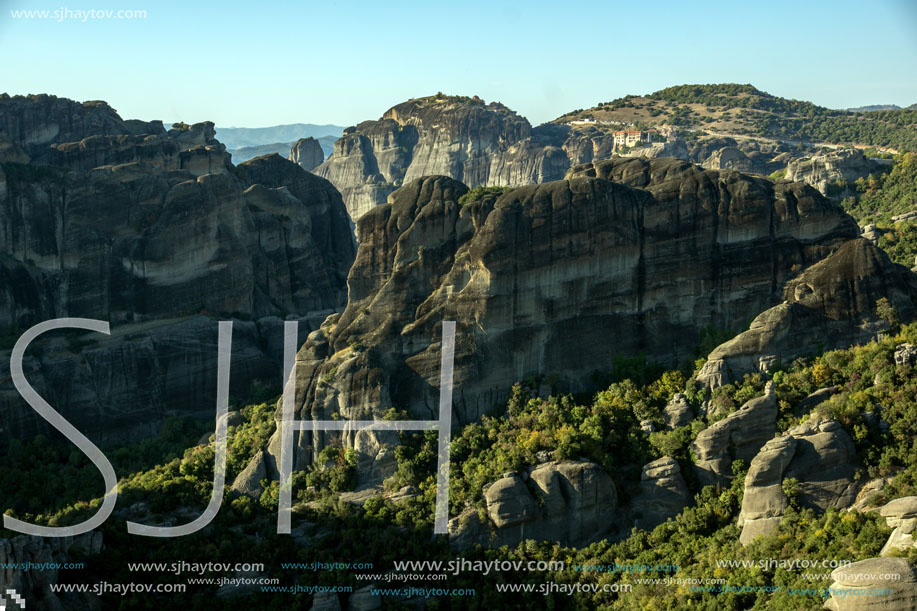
(266, 63)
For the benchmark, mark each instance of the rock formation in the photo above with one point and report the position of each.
(821, 170)
(458, 137)
(563, 276)
(818, 454)
(572, 503)
(663, 493)
(144, 228)
(828, 305)
(307, 153)
(737, 436)
(901, 515)
(728, 158)
(489, 145)
(857, 586)
(677, 412)
(36, 122)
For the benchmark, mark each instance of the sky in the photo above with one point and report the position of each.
(341, 62)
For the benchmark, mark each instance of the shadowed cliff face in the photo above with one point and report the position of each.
(130, 242)
(37, 122)
(561, 277)
(159, 234)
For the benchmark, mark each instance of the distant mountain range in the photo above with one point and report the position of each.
(240, 137)
(874, 107)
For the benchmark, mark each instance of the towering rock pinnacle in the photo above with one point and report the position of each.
(307, 153)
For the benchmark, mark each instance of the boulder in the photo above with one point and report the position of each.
(677, 412)
(905, 355)
(765, 501)
(818, 454)
(509, 502)
(738, 435)
(852, 585)
(248, 482)
(663, 493)
(572, 503)
(901, 515)
(872, 233)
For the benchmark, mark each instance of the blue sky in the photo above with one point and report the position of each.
(258, 64)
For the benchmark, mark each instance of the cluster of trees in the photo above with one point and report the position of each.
(481, 193)
(878, 198)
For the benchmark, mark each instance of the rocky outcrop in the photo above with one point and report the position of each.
(307, 153)
(677, 412)
(458, 137)
(905, 355)
(743, 154)
(765, 500)
(663, 493)
(815, 399)
(465, 139)
(36, 122)
(841, 166)
(542, 278)
(34, 585)
(829, 305)
(145, 228)
(728, 158)
(128, 242)
(572, 503)
(874, 584)
(739, 435)
(818, 455)
(901, 515)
